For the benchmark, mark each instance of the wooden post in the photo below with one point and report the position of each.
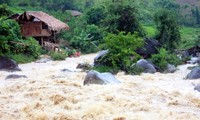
(42, 41)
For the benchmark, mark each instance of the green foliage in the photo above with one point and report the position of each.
(5, 2)
(163, 58)
(21, 58)
(122, 17)
(102, 69)
(168, 29)
(95, 15)
(58, 55)
(32, 47)
(150, 31)
(87, 40)
(12, 44)
(4, 10)
(189, 37)
(122, 49)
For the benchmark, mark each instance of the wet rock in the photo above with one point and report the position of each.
(8, 65)
(194, 74)
(197, 88)
(151, 47)
(194, 51)
(84, 66)
(99, 56)
(94, 77)
(146, 65)
(194, 60)
(170, 68)
(15, 76)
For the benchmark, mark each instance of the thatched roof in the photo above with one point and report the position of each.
(52, 23)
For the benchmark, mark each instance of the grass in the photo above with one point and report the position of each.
(150, 30)
(188, 35)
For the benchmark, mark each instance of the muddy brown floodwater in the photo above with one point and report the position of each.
(51, 94)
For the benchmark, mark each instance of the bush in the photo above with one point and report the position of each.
(94, 15)
(87, 40)
(12, 44)
(58, 55)
(122, 49)
(163, 58)
(4, 10)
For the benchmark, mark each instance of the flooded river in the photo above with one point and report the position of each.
(51, 94)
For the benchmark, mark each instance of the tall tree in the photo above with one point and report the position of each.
(122, 17)
(168, 29)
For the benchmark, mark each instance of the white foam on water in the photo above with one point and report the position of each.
(49, 93)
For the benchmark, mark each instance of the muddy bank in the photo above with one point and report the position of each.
(51, 94)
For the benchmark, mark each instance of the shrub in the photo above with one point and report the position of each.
(168, 29)
(163, 58)
(94, 15)
(58, 55)
(122, 49)
(12, 44)
(86, 40)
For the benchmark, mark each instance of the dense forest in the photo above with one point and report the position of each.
(117, 25)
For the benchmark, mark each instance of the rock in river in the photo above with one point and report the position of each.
(146, 65)
(94, 77)
(194, 74)
(197, 88)
(8, 64)
(15, 76)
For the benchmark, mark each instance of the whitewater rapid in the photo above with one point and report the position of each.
(52, 94)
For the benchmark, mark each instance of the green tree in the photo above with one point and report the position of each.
(95, 15)
(4, 10)
(168, 29)
(197, 16)
(122, 17)
(12, 43)
(122, 49)
(5, 2)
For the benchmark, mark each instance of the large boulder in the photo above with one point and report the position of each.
(146, 65)
(8, 65)
(194, 51)
(151, 47)
(197, 88)
(194, 74)
(101, 54)
(170, 68)
(15, 76)
(94, 77)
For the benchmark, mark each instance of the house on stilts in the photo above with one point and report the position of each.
(42, 27)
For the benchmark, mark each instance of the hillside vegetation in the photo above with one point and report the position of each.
(174, 23)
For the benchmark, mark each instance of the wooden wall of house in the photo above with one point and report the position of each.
(34, 29)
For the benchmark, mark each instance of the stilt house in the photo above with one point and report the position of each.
(42, 27)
